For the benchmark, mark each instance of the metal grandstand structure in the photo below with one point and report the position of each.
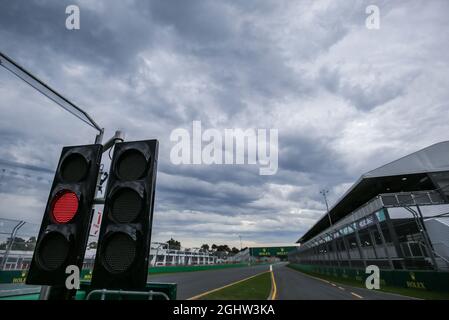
(395, 216)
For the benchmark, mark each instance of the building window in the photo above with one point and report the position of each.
(377, 237)
(365, 239)
(352, 242)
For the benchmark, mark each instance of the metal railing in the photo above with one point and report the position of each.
(398, 199)
(17, 242)
(104, 293)
(414, 198)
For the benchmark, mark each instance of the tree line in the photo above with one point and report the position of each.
(220, 250)
(29, 245)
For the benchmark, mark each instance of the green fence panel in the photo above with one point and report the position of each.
(422, 280)
(86, 275)
(13, 276)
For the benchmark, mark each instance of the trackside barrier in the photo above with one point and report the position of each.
(121, 294)
(13, 276)
(153, 291)
(87, 274)
(170, 269)
(410, 279)
(19, 276)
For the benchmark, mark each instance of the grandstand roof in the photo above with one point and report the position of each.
(405, 174)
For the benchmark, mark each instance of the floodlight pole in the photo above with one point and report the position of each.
(324, 193)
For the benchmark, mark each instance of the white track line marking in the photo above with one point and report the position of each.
(356, 295)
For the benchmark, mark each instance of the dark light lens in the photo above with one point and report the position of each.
(74, 168)
(119, 253)
(126, 205)
(65, 206)
(131, 165)
(53, 251)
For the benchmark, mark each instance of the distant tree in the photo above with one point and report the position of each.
(205, 247)
(173, 244)
(30, 244)
(234, 250)
(18, 244)
(223, 248)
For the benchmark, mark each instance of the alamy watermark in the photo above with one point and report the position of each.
(230, 146)
(73, 279)
(372, 22)
(373, 280)
(72, 22)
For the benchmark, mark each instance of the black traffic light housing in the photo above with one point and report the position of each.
(65, 226)
(124, 242)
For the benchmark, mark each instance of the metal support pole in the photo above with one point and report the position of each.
(347, 247)
(373, 242)
(335, 249)
(13, 236)
(422, 229)
(359, 245)
(26, 76)
(119, 136)
(99, 136)
(384, 243)
(394, 238)
(324, 193)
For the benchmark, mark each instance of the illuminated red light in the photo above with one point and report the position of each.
(65, 206)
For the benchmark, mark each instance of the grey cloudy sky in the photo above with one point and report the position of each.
(345, 99)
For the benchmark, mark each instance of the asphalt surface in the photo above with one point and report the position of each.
(193, 283)
(291, 284)
(295, 285)
(8, 289)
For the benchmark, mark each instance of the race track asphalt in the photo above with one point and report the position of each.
(295, 285)
(291, 284)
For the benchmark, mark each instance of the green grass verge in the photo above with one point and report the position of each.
(415, 293)
(257, 288)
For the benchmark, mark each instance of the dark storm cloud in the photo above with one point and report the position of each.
(363, 99)
(308, 155)
(204, 22)
(41, 24)
(344, 98)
